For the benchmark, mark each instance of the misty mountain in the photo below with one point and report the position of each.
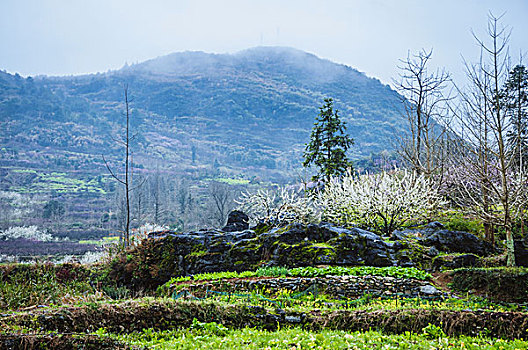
(250, 112)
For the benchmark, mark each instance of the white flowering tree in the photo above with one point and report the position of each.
(384, 201)
(27, 232)
(278, 207)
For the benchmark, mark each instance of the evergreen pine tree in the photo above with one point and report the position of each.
(515, 93)
(328, 144)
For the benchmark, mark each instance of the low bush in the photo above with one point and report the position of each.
(24, 285)
(506, 284)
(456, 221)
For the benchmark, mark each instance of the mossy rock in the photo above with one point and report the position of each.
(455, 261)
(411, 254)
(206, 262)
(303, 254)
(248, 251)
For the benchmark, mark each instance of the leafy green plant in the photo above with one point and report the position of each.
(274, 271)
(115, 292)
(297, 338)
(456, 221)
(432, 331)
(308, 271)
(392, 271)
(211, 328)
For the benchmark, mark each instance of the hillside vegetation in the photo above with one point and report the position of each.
(249, 110)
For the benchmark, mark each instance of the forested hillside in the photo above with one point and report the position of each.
(253, 109)
(241, 118)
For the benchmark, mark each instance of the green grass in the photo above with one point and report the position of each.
(31, 171)
(214, 336)
(104, 240)
(232, 181)
(307, 302)
(59, 182)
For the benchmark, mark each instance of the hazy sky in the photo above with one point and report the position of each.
(58, 37)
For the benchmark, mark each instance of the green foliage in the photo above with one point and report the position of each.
(232, 181)
(309, 271)
(273, 271)
(297, 338)
(209, 328)
(515, 96)
(432, 331)
(392, 271)
(46, 182)
(328, 144)
(115, 292)
(505, 283)
(456, 221)
(53, 209)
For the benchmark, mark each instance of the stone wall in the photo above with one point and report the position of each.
(335, 286)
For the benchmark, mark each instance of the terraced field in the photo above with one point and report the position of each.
(76, 306)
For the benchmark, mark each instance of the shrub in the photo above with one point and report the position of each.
(29, 285)
(140, 233)
(457, 222)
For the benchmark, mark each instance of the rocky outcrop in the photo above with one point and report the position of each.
(455, 261)
(172, 254)
(521, 253)
(435, 235)
(175, 254)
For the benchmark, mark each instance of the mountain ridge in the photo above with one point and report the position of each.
(250, 109)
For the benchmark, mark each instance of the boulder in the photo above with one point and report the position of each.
(457, 242)
(456, 261)
(429, 290)
(236, 221)
(521, 253)
(435, 235)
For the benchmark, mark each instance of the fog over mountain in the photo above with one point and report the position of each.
(247, 112)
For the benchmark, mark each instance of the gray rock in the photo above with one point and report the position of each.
(293, 319)
(236, 221)
(435, 225)
(456, 242)
(429, 290)
(521, 253)
(433, 252)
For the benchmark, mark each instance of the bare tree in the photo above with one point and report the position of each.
(221, 202)
(156, 189)
(489, 184)
(127, 181)
(139, 198)
(424, 101)
(471, 170)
